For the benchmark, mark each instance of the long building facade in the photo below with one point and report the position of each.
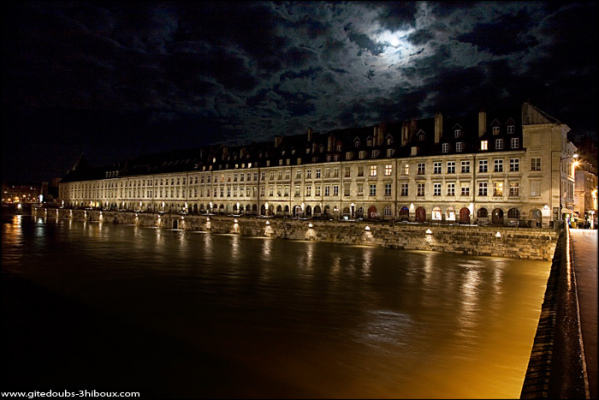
(511, 166)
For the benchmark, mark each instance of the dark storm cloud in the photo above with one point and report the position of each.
(193, 73)
(506, 35)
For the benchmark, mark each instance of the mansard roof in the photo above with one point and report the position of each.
(335, 145)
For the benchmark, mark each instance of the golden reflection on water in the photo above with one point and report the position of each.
(303, 319)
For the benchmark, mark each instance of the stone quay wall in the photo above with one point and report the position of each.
(499, 241)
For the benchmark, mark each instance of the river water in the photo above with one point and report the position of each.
(265, 318)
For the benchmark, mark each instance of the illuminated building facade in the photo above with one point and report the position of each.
(508, 166)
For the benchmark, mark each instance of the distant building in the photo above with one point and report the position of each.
(507, 166)
(20, 193)
(585, 200)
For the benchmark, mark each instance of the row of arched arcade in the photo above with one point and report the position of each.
(497, 215)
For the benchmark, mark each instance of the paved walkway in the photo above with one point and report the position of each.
(584, 244)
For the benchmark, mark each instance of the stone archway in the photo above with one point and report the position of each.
(465, 215)
(497, 216)
(420, 214)
(372, 213)
(536, 218)
(404, 214)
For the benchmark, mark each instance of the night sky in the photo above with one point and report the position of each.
(113, 80)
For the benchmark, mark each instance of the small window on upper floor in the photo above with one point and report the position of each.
(421, 137)
(484, 145)
(445, 148)
(457, 133)
(495, 130)
(511, 129)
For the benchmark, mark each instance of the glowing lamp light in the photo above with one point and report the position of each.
(367, 228)
(267, 223)
(310, 225)
(498, 234)
(235, 220)
(429, 232)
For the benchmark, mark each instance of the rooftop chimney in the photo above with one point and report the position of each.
(438, 127)
(278, 140)
(482, 123)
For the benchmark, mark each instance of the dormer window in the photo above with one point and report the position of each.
(389, 140)
(339, 147)
(375, 153)
(390, 152)
(495, 130)
(421, 137)
(369, 142)
(357, 143)
(511, 129)
(457, 133)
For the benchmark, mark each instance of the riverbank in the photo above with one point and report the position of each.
(497, 241)
(557, 369)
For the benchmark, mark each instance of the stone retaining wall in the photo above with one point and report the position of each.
(501, 241)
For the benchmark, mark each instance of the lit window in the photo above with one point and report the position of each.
(388, 169)
(484, 145)
(498, 189)
(373, 170)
